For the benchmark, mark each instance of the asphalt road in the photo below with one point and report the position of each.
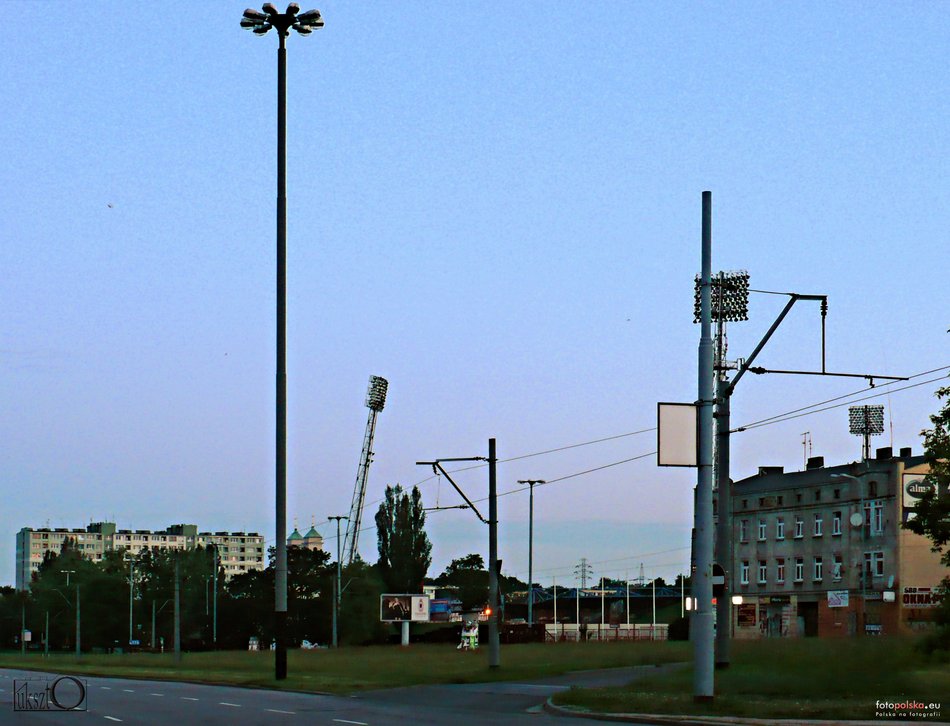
(114, 700)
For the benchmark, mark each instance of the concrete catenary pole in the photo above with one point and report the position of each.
(494, 643)
(702, 619)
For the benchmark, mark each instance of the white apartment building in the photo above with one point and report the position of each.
(238, 551)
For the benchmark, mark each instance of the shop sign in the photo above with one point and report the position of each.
(746, 615)
(920, 597)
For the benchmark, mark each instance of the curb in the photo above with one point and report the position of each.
(668, 719)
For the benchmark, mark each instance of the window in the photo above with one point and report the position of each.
(781, 500)
(836, 568)
(836, 524)
(874, 564)
(837, 494)
(799, 527)
(798, 497)
(744, 573)
(761, 501)
(816, 571)
(763, 572)
(799, 569)
(780, 528)
(874, 516)
(745, 503)
(761, 530)
(743, 530)
(818, 521)
(780, 570)
(818, 495)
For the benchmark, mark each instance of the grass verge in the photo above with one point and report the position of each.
(349, 670)
(802, 678)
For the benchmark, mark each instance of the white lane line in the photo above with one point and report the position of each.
(343, 720)
(128, 690)
(186, 698)
(277, 710)
(113, 718)
(156, 694)
(105, 688)
(232, 705)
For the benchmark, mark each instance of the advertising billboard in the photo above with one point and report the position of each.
(398, 608)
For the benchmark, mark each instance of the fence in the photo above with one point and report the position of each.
(573, 632)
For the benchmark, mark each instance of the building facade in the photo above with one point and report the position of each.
(821, 552)
(238, 551)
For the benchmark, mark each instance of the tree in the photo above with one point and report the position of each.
(933, 510)
(405, 551)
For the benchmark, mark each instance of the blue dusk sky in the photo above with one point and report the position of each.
(495, 206)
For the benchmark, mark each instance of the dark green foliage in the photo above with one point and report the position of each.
(405, 551)
(933, 511)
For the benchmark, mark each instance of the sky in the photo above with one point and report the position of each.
(496, 207)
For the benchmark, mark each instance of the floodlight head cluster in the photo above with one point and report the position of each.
(260, 22)
(730, 297)
(866, 420)
(376, 394)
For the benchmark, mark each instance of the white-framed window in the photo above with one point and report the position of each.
(780, 528)
(761, 530)
(817, 569)
(818, 523)
(780, 570)
(836, 524)
(799, 569)
(836, 567)
(799, 527)
(874, 564)
(743, 530)
(874, 516)
(763, 572)
(744, 573)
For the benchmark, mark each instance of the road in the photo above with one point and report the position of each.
(115, 700)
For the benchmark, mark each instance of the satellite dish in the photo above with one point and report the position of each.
(857, 519)
(890, 582)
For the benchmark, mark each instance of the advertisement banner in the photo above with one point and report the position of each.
(920, 597)
(395, 608)
(914, 490)
(420, 608)
(837, 598)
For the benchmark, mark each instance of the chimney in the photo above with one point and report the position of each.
(815, 462)
(885, 452)
(906, 452)
(768, 470)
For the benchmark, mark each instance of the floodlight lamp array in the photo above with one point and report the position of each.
(866, 420)
(376, 394)
(729, 295)
(260, 22)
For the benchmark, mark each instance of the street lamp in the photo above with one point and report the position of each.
(531, 483)
(853, 521)
(260, 23)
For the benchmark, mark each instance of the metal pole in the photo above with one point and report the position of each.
(280, 566)
(530, 553)
(600, 625)
(214, 617)
(653, 631)
(153, 626)
(702, 620)
(78, 624)
(46, 636)
(724, 527)
(23, 625)
(577, 616)
(494, 644)
(177, 611)
(555, 609)
(628, 598)
(337, 594)
(682, 596)
(131, 595)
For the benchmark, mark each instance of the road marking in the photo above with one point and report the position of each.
(233, 705)
(156, 694)
(113, 718)
(277, 710)
(343, 720)
(186, 698)
(105, 688)
(128, 690)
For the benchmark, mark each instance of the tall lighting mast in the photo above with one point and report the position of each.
(375, 400)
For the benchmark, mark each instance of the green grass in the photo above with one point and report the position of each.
(807, 678)
(361, 668)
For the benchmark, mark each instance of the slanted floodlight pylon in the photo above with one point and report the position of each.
(375, 401)
(866, 421)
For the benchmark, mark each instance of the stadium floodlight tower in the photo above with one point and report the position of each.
(260, 23)
(866, 421)
(375, 400)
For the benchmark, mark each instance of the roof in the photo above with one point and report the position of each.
(313, 533)
(295, 535)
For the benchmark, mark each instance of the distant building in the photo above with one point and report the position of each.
(313, 540)
(817, 553)
(238, 551)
